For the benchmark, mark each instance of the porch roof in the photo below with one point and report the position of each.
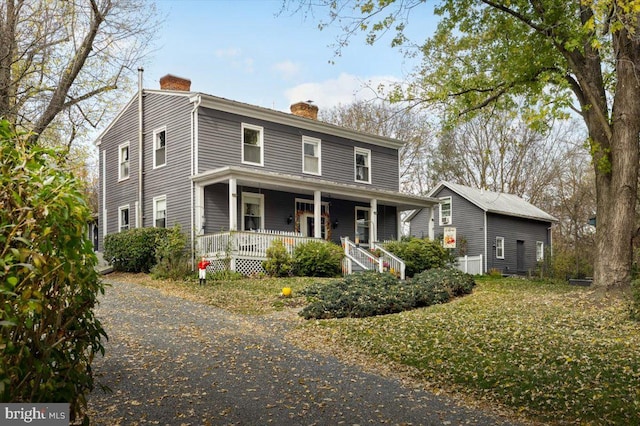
(306, 185)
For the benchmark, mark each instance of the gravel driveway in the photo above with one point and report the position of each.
(174, 362)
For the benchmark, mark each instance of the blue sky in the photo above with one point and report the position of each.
(243, 50)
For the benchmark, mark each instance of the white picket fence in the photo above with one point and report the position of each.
(473, 265)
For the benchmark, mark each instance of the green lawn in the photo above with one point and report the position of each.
(550, 352)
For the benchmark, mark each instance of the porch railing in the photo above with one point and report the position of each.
(252, 244)
(390, 261)
(359, 256)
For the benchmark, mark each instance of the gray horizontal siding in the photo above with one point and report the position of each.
(420, 223)
(513, 229)
(467, 218)
(220, 145)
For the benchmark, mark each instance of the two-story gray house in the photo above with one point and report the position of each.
(234, 175)
(511, 234)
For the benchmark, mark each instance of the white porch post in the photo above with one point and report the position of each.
(199, 209)
(399, 224)
(233, 204)
(373, 222)
(317, 214)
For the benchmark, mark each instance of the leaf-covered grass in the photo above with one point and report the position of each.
(551, 352)
(245, 296)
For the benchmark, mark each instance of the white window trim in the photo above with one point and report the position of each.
(122, 145)
(318, 144)
(356, 151)
(155, 210)
(501, 240)
(539, 253)
(155, 146)
(257, 195)
(440, 217)
(120, 209)
(355, 224)
(260, 143)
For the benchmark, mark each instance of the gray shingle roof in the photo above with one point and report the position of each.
(496, 202)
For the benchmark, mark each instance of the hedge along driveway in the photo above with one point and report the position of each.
(172, 361)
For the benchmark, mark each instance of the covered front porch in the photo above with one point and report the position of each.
(239, 212)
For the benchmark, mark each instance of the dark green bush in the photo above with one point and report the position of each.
(420, 254)
(172, 258)
(456, 282)
(279, 262)
(318, 259)
(368, 294)
(48, 285)
(134, 250)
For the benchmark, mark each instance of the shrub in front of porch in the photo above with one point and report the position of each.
(318, 259)
(420, 254)
(279, 262)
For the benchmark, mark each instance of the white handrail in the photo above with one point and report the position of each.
(394, 263)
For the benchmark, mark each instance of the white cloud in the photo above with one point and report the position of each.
(287, 69)
(230, 52)
(344, 89)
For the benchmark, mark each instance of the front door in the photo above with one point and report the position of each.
(307, 225)
(520, 256)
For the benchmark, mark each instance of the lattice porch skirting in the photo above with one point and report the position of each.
(244, 265)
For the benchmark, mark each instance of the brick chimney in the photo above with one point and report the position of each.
(172, 82)
(305, 109)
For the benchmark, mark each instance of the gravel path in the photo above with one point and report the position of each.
(174, 362)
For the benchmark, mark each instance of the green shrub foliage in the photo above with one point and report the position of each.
(419, 254)
(279, 262)
(318, 259)
(134, 250)
(48, 285)
(172, 259)
(369, 293)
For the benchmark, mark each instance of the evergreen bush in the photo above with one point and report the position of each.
(48, 285)
(318, 259)
(172, 257)
(370, 293)
(279, 262)
(134, 250)
(419, 254)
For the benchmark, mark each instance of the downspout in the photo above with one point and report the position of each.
(194, 170)
(485, 243)
(140, 212)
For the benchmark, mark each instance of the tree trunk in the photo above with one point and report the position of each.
(616, 188)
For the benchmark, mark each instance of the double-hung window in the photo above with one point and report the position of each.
(159, 147)
(160, 211)
(500, 247)
(362, 170)
(123, 218)
(311, 156)
(539, 251)
(252, 144)
(252, 211)
(445, 211)
(123, 161)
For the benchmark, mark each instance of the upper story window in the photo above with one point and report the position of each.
(123, 161)
(539, 251)
(446, 217)
(500, 247)
(160, 211)
(123, 218)
(252, 144)
(362, 165)
(252, 211)
(311, 156)
(159, 147)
